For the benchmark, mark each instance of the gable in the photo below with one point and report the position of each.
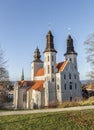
(60, 66)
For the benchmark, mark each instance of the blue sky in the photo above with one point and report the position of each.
(25, 23)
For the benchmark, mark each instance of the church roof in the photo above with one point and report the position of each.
(60, 66)
(40, 72)
(38, 85)
(23, 83)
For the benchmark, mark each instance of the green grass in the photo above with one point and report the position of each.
(72, 120)
(88, 102)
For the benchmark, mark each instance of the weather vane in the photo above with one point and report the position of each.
(49, 26)
(69, 30)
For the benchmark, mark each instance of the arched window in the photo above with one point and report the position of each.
(48, 58)
(70, 85)
(48, 69)
(52, 69)
(65, 86)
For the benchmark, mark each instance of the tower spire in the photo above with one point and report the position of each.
(22, 77)
(49, 42)
(70, 47)
(37, 55)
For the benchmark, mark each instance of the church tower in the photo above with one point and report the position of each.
(22, 76)
(70, 54)
(50, 70)
(72, 82)
(36, 64)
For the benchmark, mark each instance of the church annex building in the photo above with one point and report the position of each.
(51, 82)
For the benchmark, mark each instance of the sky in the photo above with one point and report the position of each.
(24, 25)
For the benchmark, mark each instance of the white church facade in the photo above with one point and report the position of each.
(51, 82)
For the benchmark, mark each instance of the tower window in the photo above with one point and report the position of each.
(65, 86)
(75, 86)
(64, 76)
(48, 69)
(48, 58)
(69, 76)
(70, 85)
(52, 58)
(52, 69)
(57, 86)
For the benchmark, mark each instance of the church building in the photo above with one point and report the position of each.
(51, 83)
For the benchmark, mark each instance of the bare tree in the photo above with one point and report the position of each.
(90, 54)
(4, 76)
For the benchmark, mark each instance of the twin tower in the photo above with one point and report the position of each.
(49, 63)
(61, 80)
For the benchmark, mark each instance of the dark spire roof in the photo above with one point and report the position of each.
(37, 55)
(22, 77)
(70, 47)
(49, 43)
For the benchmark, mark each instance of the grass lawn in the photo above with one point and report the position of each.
(72, 120)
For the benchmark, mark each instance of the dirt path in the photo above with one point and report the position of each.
(44, 110)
